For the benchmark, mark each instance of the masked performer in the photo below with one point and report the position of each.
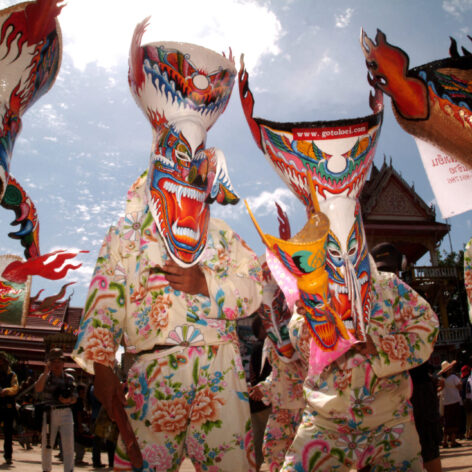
(283, 388)
(171, 281)
(368, 328)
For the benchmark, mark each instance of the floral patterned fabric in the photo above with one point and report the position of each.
(130, 300)
(280, 431)
(283, 389)
(194, 403)
(468, 275)
(386, 449)
(359, 401)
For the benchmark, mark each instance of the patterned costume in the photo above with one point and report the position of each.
(201, 378)
(283, 388)
(367, 328)
(187, 391)
(358, 412)
(468, 275)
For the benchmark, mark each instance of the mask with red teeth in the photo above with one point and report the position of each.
(182, 89)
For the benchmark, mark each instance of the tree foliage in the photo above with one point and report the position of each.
(457, 308)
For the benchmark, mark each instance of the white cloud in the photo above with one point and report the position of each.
(327, 63)
(46, 113)
(343, 19)
(457, 7)
(263, 204)
(101, 31)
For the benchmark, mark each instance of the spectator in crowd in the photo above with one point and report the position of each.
(95, 407)
(452, 404)
(107, 431)
(8, 390)
(58, 394)
(257, 373)
(466, 395)
(82, 435)
(425, 403)
(24, 401)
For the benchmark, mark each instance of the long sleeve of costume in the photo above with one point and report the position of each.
(101, 327)
(283, 388)
(468, 275)
(233, 276)
(402, 326)
(265, 386)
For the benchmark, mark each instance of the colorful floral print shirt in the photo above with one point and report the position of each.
(468, 275)
(129, 296)
(362, 393)
(283, 388)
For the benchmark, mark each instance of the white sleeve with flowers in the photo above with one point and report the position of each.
(402, 326)
(101, 326)
(233, 275)
(468, 275)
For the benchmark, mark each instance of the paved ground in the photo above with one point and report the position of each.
(453, 460)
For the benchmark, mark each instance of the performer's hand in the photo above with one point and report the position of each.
(300, 307)
(188, 280)
(367, 349)
(255, 393)
(107, 388)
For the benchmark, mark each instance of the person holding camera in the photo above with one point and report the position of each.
(59, 393)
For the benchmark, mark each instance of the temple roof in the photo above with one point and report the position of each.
(392, 211)
(41, 331)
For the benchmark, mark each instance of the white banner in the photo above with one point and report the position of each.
(450, 179)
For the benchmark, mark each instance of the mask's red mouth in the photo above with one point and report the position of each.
(342, 304)
(182, 217)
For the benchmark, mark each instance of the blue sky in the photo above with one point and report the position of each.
(84, 143)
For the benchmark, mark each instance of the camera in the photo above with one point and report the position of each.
(65, 392)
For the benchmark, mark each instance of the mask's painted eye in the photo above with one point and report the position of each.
(352, 250)
(353, 244)
(183, 156)
(334, 251)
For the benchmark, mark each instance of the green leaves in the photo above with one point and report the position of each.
(209, 425)
(195, 371)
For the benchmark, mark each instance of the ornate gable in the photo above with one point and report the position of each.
(392, 211)
(388, 196)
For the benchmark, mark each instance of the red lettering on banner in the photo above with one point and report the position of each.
(336, 132)
(442, 159)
